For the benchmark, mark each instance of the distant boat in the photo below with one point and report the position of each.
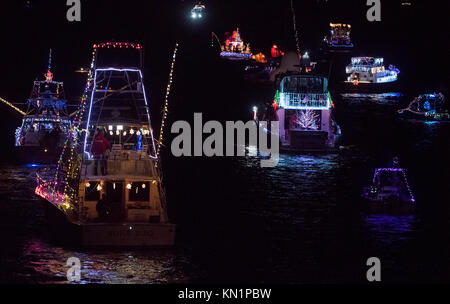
(234, 47)
(41, 136)
(427, 107)
(339, 37)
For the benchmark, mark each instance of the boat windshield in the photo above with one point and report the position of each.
(301, 84)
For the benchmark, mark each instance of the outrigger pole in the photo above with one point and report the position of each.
(166, 102)
(13, 106)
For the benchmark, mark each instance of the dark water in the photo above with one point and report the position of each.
(300, 222)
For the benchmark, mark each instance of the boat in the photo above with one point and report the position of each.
(427, 107)
(125, 204)
(370, 73)
(389, 192)
(303, 107)
(339, 37)
(234, 47)
(40, 137)
(198, 11)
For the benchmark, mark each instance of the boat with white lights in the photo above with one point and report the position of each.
(390, 191)
(430, 106)
(40, 137)
(234, 48)
(114, 197)
(303, 107)
(198, 11)
(339, 37)
(370, 72)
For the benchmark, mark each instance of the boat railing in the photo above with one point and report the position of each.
(304, 100)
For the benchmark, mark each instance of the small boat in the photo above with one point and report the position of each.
(339, 37)
(40, 137)
(389, 192)
(124, 204)
(427, 107)
(303, 107)
(234, 47)
(198, 11)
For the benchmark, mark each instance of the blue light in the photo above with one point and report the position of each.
(33, 165)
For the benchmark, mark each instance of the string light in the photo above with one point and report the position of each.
(13, 106)
(295, 28)
(166, 101)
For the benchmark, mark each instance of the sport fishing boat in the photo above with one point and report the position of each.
(427, 107)
(40, 137)
(390, 191)
(339, 37)
(370, 72)
(303, 108)
(234, 47)
(124, 204)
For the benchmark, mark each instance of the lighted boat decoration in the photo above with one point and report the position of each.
(390, 191)
(198, 11)
(370, 70)
(124, 206)
(303, 107)
(234, 47)
(40, 137)
(339, 36)
(427, 107)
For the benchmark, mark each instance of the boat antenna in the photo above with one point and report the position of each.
(49, 60)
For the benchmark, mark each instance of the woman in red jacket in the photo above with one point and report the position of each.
(99, 147)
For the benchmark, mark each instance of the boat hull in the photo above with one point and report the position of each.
(363, 87)
(389, 207)
(106, 234)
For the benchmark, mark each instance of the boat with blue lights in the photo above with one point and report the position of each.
(107, 188)
(370, 73)
(338, 40)
(390, 191)
(303, 107)
(429, 106)
(40, 137)
(234, 47)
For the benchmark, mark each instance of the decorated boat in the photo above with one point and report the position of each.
(109, 197)
(427, 107)
(303, 107)
(389, 192)
(234, 47)
(40, 137)
(198, 11)
(370, 73)
(339, 37)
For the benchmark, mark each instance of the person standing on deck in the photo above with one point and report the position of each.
(99, 148)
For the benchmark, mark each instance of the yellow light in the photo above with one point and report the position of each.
(129, 186)
(143, 186)
(87, 184)
(99, 187)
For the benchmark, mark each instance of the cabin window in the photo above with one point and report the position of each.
(91, 193)
(139, 192)
(114, 191)
(303, 85)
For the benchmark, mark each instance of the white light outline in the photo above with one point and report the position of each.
(92, 98)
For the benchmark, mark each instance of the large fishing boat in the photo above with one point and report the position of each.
(115, 198)
(40, 137)
(427, 107)
(303, 108)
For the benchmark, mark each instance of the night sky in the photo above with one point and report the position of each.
(415, 38)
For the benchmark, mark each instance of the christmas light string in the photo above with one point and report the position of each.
(295, 28)
(13, 106)
(166, 101)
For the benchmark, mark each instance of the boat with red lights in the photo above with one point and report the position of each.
(40, 137)
(110, 197)
(234, 47)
